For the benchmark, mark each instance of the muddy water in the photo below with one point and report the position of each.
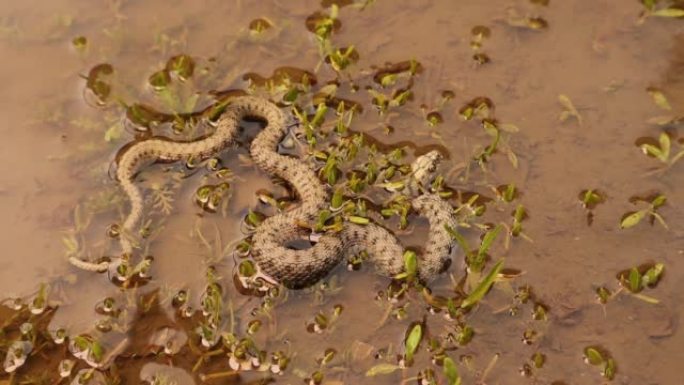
(599, 55)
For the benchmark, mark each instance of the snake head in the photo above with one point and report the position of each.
(424, 167)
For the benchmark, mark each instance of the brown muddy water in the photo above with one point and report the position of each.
(566, 98)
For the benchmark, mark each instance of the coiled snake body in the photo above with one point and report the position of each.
(292, 268)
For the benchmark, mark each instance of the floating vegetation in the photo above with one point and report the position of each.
(259, 26)
(533, 23)
(663, 150)
(590, 199)
(642, 277)
(654, 202)
(97, 84)
(282, 78)
(634, 281)
(80, 43)
(323, 25)
(392, 87)
(597, 356)
(341, 58)
(482, 108)
(211, 197)
(479, 35)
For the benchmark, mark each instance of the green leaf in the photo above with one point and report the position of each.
(400, 99)
(632, 219)
(488, 239)
(81, 342)
(388, 79)
(451, 307)
(382, 369)
(603, 294)
(413, 340)
(652, 150)
(593, 356)
(331, 171)
(80, 43)
(451, 372)
(319, 117)
(634, 280)
(254, 218)
(358, 220)
(476, 295)
(291, 95)
(465, 335)
(659, 98)
(538, 359)
(519, 214)
(665, 144)
(609, 369)
(159, 80)
(652, 275)
(458, 238)
(658, 201)
(660, 219)
(410, 263)
(591, 199)
(669, 12)
(646, 298)
(337, 198)
(182, 65)
(247, 269)
(414, 66)
(509, 194)
(393, 186)
(97, 350)
(489, 150)
(113, 132)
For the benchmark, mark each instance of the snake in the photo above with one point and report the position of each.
(292, 268)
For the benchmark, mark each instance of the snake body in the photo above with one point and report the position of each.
(292, 268)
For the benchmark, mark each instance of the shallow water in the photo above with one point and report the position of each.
(599, 54)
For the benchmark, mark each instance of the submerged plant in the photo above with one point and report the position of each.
(641, 277)
(663, 151)
(570, 111)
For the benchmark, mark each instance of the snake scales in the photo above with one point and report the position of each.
(292, 268)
